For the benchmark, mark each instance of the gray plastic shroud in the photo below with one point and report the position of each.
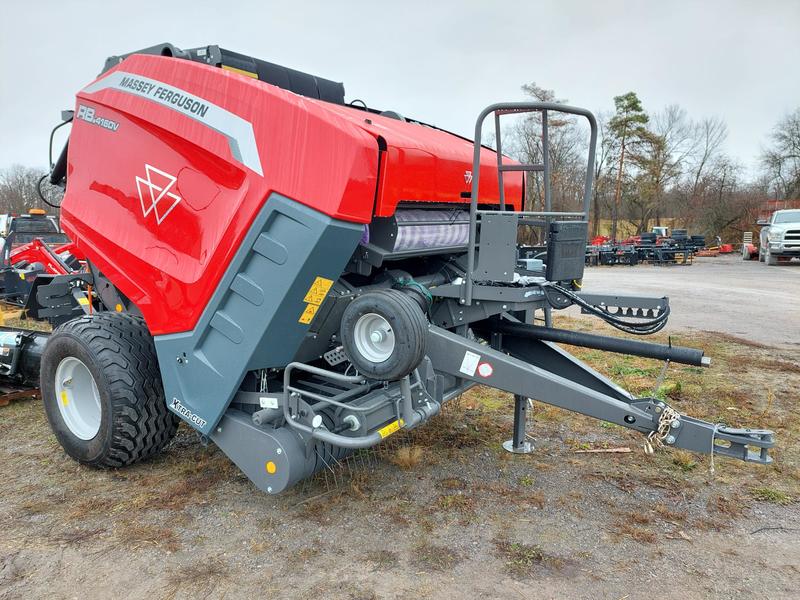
(252, 320)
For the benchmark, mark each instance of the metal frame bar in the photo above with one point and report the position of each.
(575, 387)
(516, 108)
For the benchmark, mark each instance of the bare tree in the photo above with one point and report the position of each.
(18, 189)
(567, 147)
(730, 205)
(604, 169)
(660, 157)
(781, 159)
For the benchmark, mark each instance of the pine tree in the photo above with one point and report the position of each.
(628, 127)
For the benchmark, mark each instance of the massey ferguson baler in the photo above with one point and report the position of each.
(297, 278)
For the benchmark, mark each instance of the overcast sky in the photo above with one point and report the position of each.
(440, 62)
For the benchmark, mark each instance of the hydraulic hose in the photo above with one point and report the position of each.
(637, 327)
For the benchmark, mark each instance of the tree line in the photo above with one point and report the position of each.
(655, 168)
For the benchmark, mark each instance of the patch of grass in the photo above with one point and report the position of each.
(639, 518)
(640, 534)
(513, 495)
(319, 509)
(76, 536)
(709, 524)
(305, 554)
(624, 369)
(355, 592)
(452, 483)
(534, 498)
(198, 578)
(407, 457)
(95, 506)
(134, 535)
(772, 364)
(434, 557)
(36, 506)
(526, 481)
(520, 559)
(684, 460)
(732, 506)
(359, 484)
(670, 390)
(668, 514)
(383, 559)
(734, 339)
(461, 427)
(456, 503)
(771, 495)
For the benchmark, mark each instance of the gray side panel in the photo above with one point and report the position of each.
(252, 319)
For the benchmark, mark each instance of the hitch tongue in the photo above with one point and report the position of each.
(749, 445)
(737, 443)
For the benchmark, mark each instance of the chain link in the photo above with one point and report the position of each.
(655, 439)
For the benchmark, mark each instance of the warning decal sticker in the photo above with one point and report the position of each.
(314, 298)
(318, 290)
(470, 363)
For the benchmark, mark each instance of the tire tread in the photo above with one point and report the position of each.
(125, 352)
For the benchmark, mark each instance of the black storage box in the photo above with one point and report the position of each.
(566, 250)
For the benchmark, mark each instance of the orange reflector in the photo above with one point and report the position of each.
(271, 468)
(36, 211)
(118, 308)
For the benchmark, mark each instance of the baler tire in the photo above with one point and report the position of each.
(118, 351)
(408, 322)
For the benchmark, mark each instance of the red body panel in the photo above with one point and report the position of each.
(423, 164)
(321, 155)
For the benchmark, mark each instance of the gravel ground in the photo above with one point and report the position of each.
(443, 512)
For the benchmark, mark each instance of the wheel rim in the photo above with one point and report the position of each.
(78, 398)
(374, 337)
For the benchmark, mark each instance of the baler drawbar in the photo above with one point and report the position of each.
(297, 277)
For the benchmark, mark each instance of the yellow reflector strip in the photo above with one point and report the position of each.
(64, 399)
(83, 301)
(240, 71)
(391, 428)
(270, 467)
(22, 276)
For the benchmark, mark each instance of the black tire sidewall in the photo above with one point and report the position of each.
(60, 346)
(408, 351)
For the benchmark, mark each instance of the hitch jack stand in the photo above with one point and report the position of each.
(518, 444)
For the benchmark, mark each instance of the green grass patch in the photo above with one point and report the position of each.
(771, 495)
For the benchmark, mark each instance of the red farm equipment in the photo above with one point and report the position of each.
(297, 277)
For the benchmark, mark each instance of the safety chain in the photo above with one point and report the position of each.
(655, 439)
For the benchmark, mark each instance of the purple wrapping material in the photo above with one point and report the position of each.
(417, 237)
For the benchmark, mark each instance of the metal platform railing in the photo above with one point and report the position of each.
(476, 215)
